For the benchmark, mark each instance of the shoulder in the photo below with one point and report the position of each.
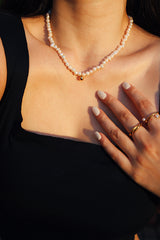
(33, 27)
(146, 42)
(142, 48)
(3, 70)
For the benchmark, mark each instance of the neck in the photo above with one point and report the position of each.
(88, 25)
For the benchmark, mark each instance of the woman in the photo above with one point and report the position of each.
(57, 180)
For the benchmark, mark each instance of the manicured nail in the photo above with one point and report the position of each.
(126, 85)
(96, 111)
(102, 95)
(98, 136)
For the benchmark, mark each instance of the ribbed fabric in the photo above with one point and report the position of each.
(56, 188)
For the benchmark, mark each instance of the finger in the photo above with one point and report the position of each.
(115, 153)
(142, 141)
(151, 122)
(142, 104)
(125, 117)
(118, 137)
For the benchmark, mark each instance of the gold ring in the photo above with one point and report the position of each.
(134, 129)
(146, 121)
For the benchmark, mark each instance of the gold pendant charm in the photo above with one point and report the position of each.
(80, 78)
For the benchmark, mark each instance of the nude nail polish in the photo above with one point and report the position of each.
(95, 111)
(126, 85)
(98, 136)
(102, 95)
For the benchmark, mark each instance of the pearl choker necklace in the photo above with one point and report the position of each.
(106, 59)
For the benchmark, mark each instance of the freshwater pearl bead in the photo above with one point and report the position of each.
(102, 62)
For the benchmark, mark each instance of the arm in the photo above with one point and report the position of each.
(3, 70)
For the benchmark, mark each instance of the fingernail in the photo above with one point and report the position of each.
(98, 136)
(96, 111)
(126, 85)
(102, 95)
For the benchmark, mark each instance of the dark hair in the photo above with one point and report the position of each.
(146, 13)
(26, 8)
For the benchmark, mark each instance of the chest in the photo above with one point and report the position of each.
(55, 102)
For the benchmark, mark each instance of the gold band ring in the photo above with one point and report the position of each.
(146, 121)
(134, 129)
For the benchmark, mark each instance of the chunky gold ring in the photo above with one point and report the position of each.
(134, 129)
(146, 120)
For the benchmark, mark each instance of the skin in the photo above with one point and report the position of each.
(63, 104)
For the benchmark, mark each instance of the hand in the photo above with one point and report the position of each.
(140, 155)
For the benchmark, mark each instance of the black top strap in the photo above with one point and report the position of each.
(7, 31)
(15, 46)
(17, 57)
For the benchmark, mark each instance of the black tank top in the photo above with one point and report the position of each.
(57, 188)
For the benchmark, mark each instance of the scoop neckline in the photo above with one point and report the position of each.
(26, 133)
